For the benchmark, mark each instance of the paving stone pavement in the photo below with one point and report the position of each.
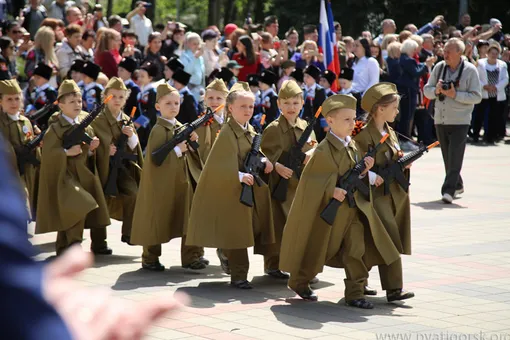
(459, 270)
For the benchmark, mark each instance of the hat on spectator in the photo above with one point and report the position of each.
(240, 86)
(313, 71)
(209, 35)
(164, 89)
(91, 70)
(494, 22)
(289, 89)
(9, 87)
(495, 45)
(234, 64)
(174, 63)
(229, 29)
(346, 73)
(336, 102)
(375, 93)
(482, 43)
(67, 87)
(115, 84)
(150, 68)
(129, 64)
(268, 77)
(77, 65)
(288, 63)
(253, 80)
(330, 76)
(225, 75)
(43, 70)
(297, 75)
(98, 7)
(181, 76)
(218, 85)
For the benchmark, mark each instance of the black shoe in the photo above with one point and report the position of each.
(204, 260)
(102, 251)
(241, 284)
(360, 303)
(277, 273)
(126, 239)
(195, 265)
(369, 291)
(398, 294)
(313, 281)
(308, 294)
(155, 267)
(223, 261)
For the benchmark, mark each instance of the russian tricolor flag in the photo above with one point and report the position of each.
(327, 41)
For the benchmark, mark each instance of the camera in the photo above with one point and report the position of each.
(446, 85)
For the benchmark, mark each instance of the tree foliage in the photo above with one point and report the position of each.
(354, 15)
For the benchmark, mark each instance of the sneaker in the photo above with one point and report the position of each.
(458, 192)
(447, 198)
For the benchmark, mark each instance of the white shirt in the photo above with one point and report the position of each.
(14, 117)
(346, 142)
(219, 119)
(366, 74)
(177, 149)
(142, 27)
(133, 140)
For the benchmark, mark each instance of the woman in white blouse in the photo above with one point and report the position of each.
(366, 71)
(493, 78)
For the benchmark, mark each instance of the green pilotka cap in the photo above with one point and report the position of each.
(338, 101)
(116, 84)
(289, 89)
(68, 86)
(163, 90)
(9, 87)
(240, 86)
(217, 85)
(375, 93)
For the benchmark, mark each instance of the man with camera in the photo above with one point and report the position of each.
(455, 85)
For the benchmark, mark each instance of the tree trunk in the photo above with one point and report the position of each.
(259, 11)
(229, 4)
(212, 18)
(109, 8)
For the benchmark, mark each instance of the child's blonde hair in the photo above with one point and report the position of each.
(231, 98)
(383, 102)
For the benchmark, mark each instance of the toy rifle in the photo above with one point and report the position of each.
(350, 182)
(77, 135)
(394, 171)
(182, 134)
(294, 160)
(46, 111)
(253, 165)
(25, 153)
(117, 160)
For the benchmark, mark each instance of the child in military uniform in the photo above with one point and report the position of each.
(345, 80)
(162, 207)
(253, 82)
(394, 210)
(314, 96)
(327, 79)
(70, 192)
(109, 126)
(147, 114)
(218, 218)
(91, 89)
(18, 131)
(288, 66)
(126, 68)
(278, 138)
(75, 72)
(189, 106)
(215, 96)
(43, 93)
(298, 76)
(227, 76)
(308, 242)
(267, 103)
